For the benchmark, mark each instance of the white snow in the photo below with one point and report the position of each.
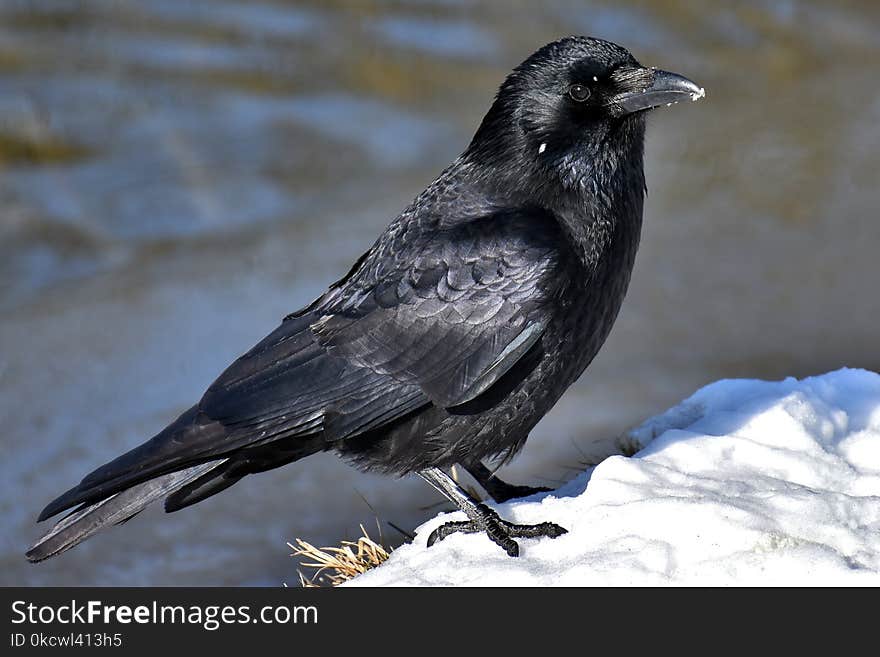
(746, 482)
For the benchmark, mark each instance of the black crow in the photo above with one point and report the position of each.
(447, 341)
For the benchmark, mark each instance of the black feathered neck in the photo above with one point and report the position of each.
(594, 187)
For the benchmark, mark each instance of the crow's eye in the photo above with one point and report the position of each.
(579, 92)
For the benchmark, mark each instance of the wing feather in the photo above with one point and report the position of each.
(457, 311)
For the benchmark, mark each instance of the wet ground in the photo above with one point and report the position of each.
(176, 176)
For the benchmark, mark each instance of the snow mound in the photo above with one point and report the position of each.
(746, 482)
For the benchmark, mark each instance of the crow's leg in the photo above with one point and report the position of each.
(481, 518)
(498, 489)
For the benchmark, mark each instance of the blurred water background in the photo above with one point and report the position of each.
(175, 176)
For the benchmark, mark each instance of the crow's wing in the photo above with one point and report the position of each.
(437, 317)
(452, 312)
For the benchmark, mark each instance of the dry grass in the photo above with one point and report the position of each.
(335, 565)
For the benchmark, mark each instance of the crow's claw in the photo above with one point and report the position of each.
(500, 531)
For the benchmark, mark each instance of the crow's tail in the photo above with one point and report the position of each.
(78, 525)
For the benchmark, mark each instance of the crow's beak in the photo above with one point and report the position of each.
(654, 88)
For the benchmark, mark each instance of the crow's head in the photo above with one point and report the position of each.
(570, 100)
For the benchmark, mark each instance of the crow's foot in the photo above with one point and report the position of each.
(500, 531)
